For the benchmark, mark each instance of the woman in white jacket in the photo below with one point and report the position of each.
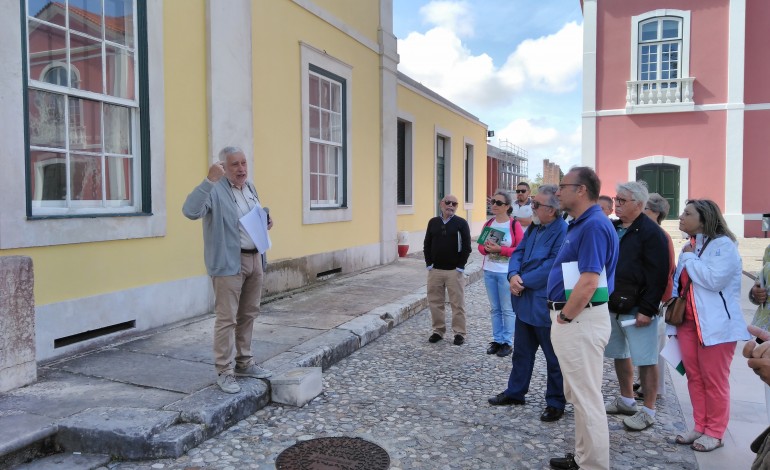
(711, 266)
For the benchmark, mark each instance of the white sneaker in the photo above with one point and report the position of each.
(639, 422)
(228, 384)
(618, 407)
(252, 370)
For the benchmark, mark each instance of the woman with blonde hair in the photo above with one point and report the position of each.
(708, 276)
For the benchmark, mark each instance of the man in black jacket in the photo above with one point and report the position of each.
(641, 277)
(447, 247)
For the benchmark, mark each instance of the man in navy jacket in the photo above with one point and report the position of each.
(528, 275)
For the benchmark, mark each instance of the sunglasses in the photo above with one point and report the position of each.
(451, 203)
(537, 205)
(521, 191)
(497, 202)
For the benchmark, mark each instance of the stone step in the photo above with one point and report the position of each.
(25, 436)
(74, 460)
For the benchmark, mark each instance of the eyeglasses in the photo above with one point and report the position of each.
(497, 202)
(521, 191)
(620, 201)
(451, 203)
(564, 185)
(649, 209)
(536, 205)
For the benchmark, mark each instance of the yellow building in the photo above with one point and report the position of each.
(111, 117)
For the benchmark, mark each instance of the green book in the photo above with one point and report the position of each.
(489, 233)
(571, 274)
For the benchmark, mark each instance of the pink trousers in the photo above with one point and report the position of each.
(708, 373)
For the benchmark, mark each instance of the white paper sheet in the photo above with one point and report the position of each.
(255, 224)
(673, 355)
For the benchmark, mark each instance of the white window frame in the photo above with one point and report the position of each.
(19, 231)
(317, 215)
(446, 134)
(105, 206)
(684, 58)
(408, 207)
(469, 153)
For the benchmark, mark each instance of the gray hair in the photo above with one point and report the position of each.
(550, 191)
(658, 204)
(638, 190)
(227, 151)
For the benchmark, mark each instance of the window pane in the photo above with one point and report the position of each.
(670, 29)
(86, 17)
(46, 119)
(119, 175)
(650, 31)
(46, 10)
(325, 126)
(336, 97)
(331, 161)
(336, 128)
(314, 149)
(85, 118)
(117, 129)
(86, 178)
(48, 176)
(325, 95)
(315, 123)
(313, 188)
(46, 51)
(313, 86)
(119, 20)
(120, 72)
(86, 57)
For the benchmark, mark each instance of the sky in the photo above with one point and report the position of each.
(514, 64)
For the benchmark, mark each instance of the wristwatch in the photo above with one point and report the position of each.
(564, 318)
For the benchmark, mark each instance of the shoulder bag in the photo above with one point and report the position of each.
(676, 305)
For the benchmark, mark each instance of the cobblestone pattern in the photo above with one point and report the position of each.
(426, 404)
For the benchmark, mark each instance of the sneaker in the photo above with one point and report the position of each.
(254, 371)
(618, 407)
(639, 422)
(227, 383)
(505, 350)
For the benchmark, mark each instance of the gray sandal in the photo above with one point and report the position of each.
(688, 438)
(706, 444)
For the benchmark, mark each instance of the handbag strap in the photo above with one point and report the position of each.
(689, 280)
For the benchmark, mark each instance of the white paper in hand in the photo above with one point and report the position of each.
(255, 224)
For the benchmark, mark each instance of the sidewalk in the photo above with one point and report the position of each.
(153, 396)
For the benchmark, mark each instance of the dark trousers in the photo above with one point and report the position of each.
(526, 340)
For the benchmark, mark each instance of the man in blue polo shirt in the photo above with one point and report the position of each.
(581, 325)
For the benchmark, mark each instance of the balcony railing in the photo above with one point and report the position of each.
(659, 92)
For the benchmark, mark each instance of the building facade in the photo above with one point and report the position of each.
(111, 115)
(673, 95)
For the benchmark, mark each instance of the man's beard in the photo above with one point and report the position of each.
(535, 219)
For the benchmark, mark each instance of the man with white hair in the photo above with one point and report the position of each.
(233, 261)
(641, 277)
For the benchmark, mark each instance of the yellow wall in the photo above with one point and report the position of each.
(81, 270)
(361, 15)
(278, 132)
(427, 116)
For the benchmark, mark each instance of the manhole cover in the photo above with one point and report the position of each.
(337, 453)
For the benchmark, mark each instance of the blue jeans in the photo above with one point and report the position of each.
(503, 318)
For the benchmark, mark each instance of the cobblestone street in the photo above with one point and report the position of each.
(426, 405)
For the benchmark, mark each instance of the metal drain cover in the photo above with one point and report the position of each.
(333, 453)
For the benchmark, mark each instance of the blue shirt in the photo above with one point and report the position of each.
(591, 241)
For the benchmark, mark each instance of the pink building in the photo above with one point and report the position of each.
(675, 93)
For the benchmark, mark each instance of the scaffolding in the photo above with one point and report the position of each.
(512, 164)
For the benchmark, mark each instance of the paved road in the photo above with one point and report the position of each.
(426, 405)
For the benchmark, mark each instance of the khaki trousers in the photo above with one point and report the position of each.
(580, 348)
(236, 305)
(453, 282)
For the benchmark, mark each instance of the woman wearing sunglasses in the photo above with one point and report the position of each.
(497, 252)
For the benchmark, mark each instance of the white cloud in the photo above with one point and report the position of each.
(454, 16)
(542, 141)
(440, 60)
